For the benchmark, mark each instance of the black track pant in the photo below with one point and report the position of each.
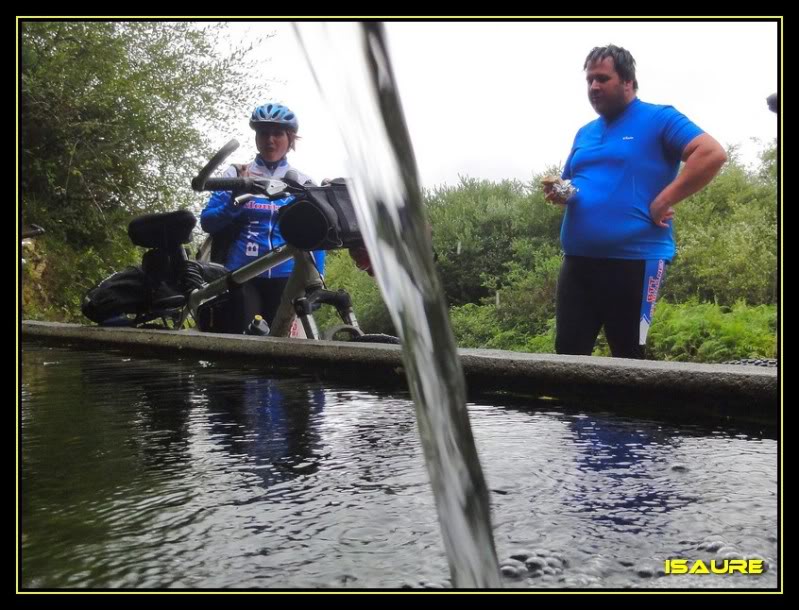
(615, 293)
(233, 313)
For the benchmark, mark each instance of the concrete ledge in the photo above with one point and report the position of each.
(745, 393)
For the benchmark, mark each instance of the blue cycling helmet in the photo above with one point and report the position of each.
(274, 113)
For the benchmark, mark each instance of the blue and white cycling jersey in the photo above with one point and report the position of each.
(256, 219)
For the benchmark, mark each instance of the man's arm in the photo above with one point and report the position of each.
(703, 158)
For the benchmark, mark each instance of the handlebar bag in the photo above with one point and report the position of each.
(322, 218)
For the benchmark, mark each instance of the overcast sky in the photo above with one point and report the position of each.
(502, 100)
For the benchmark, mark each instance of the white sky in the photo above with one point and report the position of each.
(500, 100)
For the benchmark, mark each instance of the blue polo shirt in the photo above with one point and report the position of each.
(619, 168)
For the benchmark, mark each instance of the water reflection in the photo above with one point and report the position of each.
(140, 472)
(272, 423)
(615, 460)
(601, 500)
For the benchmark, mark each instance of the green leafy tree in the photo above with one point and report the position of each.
(114, 120)
(727, 239)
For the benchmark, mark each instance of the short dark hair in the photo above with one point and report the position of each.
(623, 61)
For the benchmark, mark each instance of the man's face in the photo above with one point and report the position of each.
(272, 142)
(608, 94)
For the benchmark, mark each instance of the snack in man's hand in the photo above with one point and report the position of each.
(563, 189)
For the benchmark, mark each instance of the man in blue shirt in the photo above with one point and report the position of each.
(616, 233)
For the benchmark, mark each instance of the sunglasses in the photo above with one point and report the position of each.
(271, 131)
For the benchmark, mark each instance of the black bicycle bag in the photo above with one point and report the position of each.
(322, 218)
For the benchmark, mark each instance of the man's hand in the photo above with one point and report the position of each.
(661, 212)
(703, 157)
(557, 190)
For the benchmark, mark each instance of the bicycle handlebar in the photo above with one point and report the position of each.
(255, 186)
(237, 185)
(198, 183)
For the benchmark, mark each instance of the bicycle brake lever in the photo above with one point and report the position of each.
(275, 187)
(269, 188)
(242, 199)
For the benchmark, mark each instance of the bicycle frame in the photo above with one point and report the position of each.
(305, 287)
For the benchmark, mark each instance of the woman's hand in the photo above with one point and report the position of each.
(361, 258)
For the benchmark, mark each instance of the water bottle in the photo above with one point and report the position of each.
(258, 326)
